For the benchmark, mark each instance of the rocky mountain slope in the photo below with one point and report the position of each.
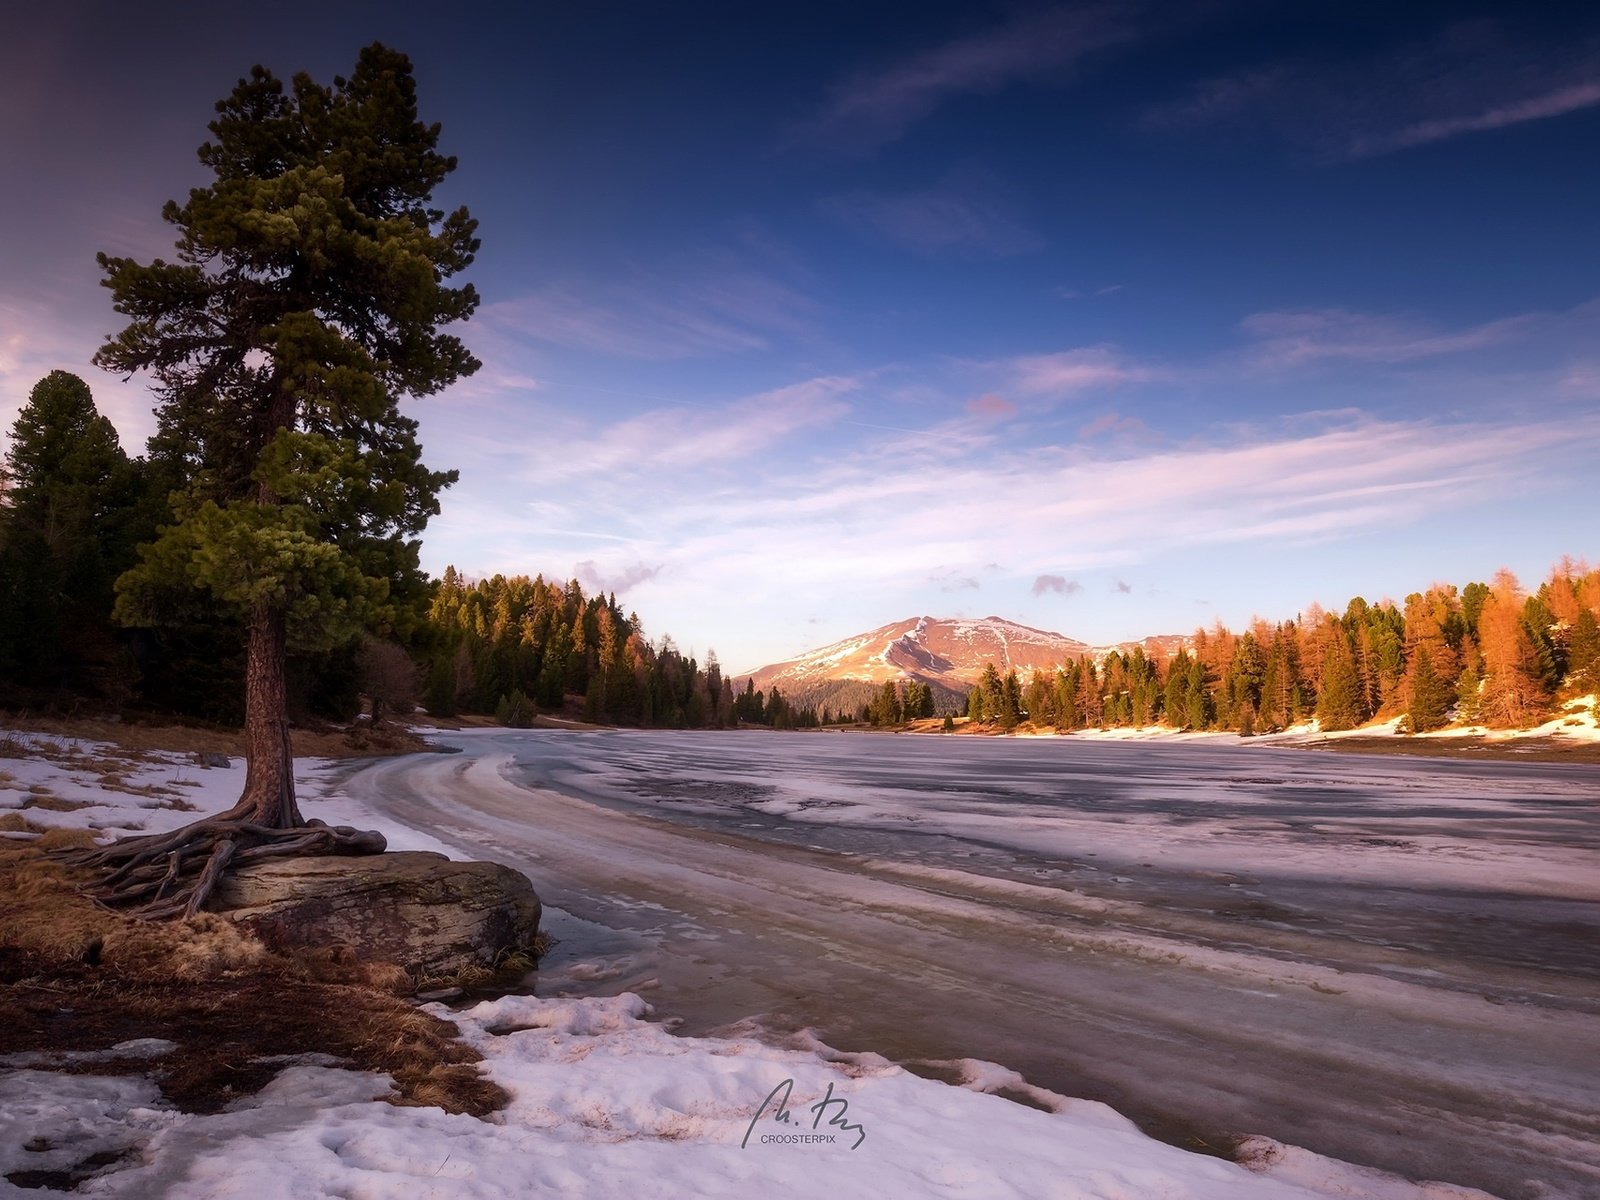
(947, 653)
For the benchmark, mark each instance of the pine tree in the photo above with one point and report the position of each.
(1430, 694)
(975, 706)
(1176, 698)
(886, 709)
(306, 299)
(1583, 652)
(1339, 705)
(1010, 701)
(66, 532)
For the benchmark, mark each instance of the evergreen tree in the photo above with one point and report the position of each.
(975, 705)
(1010, 701)
(992, 686)
(1176, 698)
(1431, 694)
(306, 299)
(66, 532)
(1583, 653)
(886, 709)
(1339, 706)
(1198, 697)
(1469, 695)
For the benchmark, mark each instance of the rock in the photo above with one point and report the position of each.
(418, 910)
(439, 995)
(211, 758)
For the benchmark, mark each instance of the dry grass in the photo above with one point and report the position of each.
(137, 738)
(52, 803)
(63, 839)
(74, 976)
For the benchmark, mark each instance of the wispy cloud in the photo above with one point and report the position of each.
(1122, 587)
(875, 107)
(1067, 293)
(1058, 585)
(1115, 425)
(688, 310)
(1072, 372)
(713, 436)
(1555, 103)
(952, 581)
(632, 327)
(991, 406)
(967, 214)
(597, 580)
(798, 531)
(1291, 339)
(1471, 77)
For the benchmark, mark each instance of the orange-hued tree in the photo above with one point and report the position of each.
(1513, 685)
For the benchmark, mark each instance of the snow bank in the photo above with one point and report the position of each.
(1575, 720)
(606, 1103)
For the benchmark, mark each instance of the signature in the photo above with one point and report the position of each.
(818, 1110)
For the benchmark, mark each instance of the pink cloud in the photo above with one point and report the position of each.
(991, 406)
(1075, 371)
(1113, 424)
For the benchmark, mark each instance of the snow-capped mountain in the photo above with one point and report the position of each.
(950, 652)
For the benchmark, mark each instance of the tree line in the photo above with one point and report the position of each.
(1488, 653)
(75, 508)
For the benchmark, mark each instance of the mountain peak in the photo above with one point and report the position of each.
(949, 653)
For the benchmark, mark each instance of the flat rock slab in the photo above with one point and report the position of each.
(416, 909)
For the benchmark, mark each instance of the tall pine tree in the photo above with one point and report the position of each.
(305, 301)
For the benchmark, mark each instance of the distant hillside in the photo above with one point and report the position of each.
(948, 654)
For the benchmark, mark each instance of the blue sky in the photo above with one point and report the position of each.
(1112, 319)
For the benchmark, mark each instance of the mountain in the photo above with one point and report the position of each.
(949, 654)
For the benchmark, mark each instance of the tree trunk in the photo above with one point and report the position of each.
(269, 778)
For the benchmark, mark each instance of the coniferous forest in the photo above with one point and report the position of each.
(75, 508)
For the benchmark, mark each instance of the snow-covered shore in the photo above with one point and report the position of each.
(1575, 722)
(606, 1102)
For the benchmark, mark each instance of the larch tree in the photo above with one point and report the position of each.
(306, 299)
(1513, 685)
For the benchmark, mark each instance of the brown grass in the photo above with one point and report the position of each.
(63, 839)
(138, 738)
(52, 803)
(74, 976)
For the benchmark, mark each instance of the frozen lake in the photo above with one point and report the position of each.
(1393, 961)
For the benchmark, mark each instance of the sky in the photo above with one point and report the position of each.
(1113, 319)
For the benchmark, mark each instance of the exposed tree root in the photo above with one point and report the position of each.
(164, 875)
